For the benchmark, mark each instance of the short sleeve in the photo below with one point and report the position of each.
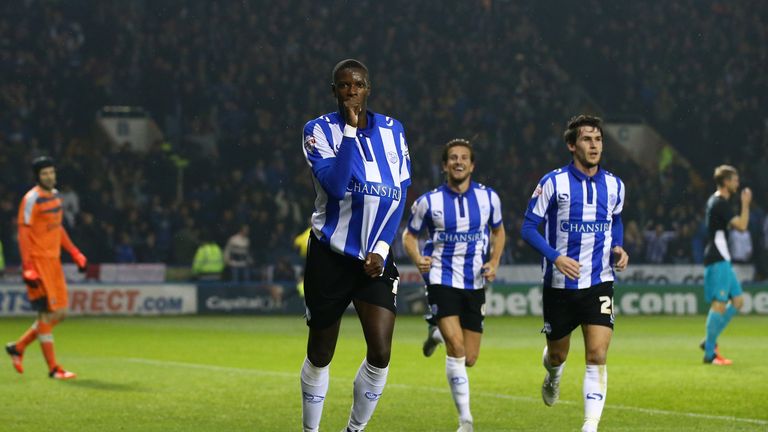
(419, 210)
(541, 197)
(495, 209)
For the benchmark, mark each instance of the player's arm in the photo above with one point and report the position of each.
(73, 251)
(28, 270)
(741, 222)
(374, 262)
(542, 198)
(498, 238)
(333, 171)
(620, 256)
(415, 224)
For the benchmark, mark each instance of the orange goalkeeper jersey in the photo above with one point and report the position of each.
(41, 213)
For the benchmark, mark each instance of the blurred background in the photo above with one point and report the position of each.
(177, 124)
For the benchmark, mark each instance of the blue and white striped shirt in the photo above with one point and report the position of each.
(581, 220)
(360, 178)
(458, 227)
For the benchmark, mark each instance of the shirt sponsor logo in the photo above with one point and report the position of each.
(459, 237)
(585, 227)
(309, 143)
(374, 189)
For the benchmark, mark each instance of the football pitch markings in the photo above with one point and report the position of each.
(166, 363)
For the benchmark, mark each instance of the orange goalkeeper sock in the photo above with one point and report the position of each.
(45, 336)
(27, 338)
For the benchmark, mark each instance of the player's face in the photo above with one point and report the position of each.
(47, 178)
(732, 184)
(588, 147)
(459, 165)
(351, 84)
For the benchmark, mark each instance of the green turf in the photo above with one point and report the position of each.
(241, 373)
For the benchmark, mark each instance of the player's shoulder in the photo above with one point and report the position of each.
(332, 118)
(483, 187)
(554, 173)
(424, 198)
(387, 122)
(32, 194)
(610, 174)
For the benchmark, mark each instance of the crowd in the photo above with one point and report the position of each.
(232, 83)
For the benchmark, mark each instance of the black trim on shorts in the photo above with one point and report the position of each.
(566, 309)
(444, 301)
(40, 304)
(333, 280)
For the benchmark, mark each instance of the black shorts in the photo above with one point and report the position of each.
(333, 280)
(40, 304)
(566, 309)
(469, 305)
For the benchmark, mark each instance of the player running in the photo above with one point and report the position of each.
(580, 205)
(457, 216)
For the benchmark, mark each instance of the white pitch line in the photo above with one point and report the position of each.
(443, 390)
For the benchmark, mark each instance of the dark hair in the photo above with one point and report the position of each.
(348, 64)
(723, 173)
(456, 142)
(573, 130)
(39, 163)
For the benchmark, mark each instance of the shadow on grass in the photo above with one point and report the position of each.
(105, 385)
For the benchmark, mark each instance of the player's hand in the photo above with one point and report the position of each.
(352, 109)
(374, 265)
(621, 258)
(568, 266)
(81, 261)
(489, 271)
(31, 278)
(746, 196)
(424, 263)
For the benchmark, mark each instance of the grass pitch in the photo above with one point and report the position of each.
(241, 373)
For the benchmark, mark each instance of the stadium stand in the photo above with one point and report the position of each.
(231, 84)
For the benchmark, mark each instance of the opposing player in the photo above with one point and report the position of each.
(580, 205)
(460, 217)
(361, 171)
(41, 237)
(721, 286)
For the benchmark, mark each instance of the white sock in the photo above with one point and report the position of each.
(437, 336)
(458, 381)
(555, 372)
(369, 385)
(595, 389)
(314, 386)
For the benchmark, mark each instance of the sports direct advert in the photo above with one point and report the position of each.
(110, 299)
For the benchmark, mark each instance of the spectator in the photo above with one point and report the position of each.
(237, 255)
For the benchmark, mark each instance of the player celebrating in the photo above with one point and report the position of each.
(580, 205)
(41, 237)
(457, 216)
(361, 170)
(720, 282)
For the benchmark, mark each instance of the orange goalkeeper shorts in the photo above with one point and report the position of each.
(53, 285)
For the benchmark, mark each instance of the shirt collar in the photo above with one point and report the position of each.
(581, 176)
(447, 189)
